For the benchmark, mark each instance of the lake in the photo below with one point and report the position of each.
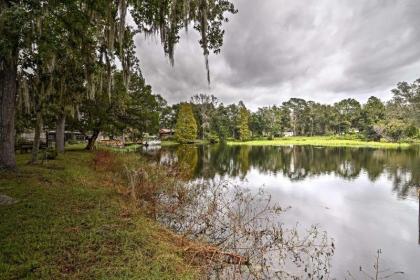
(365, 199)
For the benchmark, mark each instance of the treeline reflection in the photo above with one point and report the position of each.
(402, 167)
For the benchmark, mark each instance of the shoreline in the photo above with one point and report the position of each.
(62, 213)
(324, 141)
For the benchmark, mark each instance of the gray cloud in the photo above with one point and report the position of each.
(321, 50)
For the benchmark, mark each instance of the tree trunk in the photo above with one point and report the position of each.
(8, 90)
(59, 133)
(92, 140)
(37, 137)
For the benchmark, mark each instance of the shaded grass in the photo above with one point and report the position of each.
(71, 223)
(173, 143)
(327, 141)
(169, 143)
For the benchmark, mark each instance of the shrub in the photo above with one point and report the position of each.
(73, 142)
(213, 138)
(373, 133)
(186, 126)
(411, 131)
(395, 129)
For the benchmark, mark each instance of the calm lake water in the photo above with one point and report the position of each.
(366, 199)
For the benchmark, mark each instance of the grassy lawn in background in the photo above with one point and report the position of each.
(70, 223)
(166, 143)
(328, 141)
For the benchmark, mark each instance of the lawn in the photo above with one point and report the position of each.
(69, 222)
(328, 141)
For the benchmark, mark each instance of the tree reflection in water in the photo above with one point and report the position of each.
(397, 169)
(301, 162)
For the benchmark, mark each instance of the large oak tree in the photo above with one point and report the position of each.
(99, 30)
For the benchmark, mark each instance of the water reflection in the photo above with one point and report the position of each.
(366, 199)
(300, 162)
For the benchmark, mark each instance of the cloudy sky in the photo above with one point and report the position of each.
(322, 50)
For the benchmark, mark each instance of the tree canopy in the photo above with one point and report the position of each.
(393, 120)
(186, 126)
(69, 54)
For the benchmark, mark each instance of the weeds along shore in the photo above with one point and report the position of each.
(117, 215)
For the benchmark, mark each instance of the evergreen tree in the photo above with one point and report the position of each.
(186, 126)
(244, 133)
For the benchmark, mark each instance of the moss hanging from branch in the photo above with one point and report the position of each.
(168, 17)
(23, 96)
(121, 27)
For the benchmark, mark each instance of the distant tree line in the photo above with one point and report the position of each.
(394, 120)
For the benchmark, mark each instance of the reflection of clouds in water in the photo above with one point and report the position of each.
(363, 216)
(365, 199)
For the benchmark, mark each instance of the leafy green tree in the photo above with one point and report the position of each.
(298, 114)
(395, 129)
(186, 126)
(142, 109)
(257, 124)
(266, 121)
(373, 112)
(100, 31)
(135, 110)
(205, 106)
(285, 121)
(17, 21)
(232, 115)
(221, 123)
(349, 113)
(406, 102)
(322, 119)
(100, 114)
(167, 114)
(244, 133)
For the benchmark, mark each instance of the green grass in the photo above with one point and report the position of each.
(328, 141)
(166, 143)
(70, 223)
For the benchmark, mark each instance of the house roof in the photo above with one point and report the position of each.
(166, 130)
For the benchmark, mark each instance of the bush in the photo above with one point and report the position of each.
(213, 138)
(395, 129)
(373, 133)
(411, 131)
(74, 142)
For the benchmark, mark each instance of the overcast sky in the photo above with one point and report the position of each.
(323, 50)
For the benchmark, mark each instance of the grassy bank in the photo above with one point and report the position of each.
(166, 143)
(70, 222)
(327, 141)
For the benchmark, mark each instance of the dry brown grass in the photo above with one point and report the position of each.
(218, 228)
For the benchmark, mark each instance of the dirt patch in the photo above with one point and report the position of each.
(6, 200)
